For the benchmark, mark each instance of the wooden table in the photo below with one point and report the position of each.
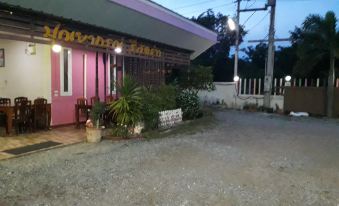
(9, 111)
(79, 107)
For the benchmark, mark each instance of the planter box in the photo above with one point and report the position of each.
(93, 135)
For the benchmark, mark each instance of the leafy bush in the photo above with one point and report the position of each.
(188, 101)
(128, 108)
(197, 77)
(156, 100)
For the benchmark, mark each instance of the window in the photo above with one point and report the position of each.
(66, 72)
(112, 75)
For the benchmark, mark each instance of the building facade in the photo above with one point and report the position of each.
(62, 50)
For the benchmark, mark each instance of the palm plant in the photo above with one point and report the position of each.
(318, 39)
(128, 108)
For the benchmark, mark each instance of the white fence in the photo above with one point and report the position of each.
(250, 91)
(226, 93)
(255, 86)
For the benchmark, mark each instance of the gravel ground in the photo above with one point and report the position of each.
(246, 159)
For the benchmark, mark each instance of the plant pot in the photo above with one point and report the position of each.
(93, 135)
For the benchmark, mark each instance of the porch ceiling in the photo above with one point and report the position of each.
(141, 18)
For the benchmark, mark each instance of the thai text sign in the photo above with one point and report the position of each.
(60, 34)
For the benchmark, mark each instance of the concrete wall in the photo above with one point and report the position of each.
(226, 93)
(24, 74)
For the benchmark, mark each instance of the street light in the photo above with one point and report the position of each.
(231, 24)
(236, 78)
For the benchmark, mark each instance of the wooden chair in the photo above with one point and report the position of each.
(20, 99)
(40, 117)
(94, 100)
(81, 110)
(4, 102)
(109, 99)
(23, 116)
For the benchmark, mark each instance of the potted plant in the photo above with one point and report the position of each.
(93, 128)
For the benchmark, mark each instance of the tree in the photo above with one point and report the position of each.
(253, 65)
(196, 78)
(318, 40)
(218, 55)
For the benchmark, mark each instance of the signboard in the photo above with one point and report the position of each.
(60, 34)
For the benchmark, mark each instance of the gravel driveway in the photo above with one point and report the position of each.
(246, 159)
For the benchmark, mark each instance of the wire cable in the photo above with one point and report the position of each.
(259, 22)
(248, 19)
(192, 5)
(223, 5)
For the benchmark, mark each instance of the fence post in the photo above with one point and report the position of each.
(275, 86)
(280, 86)
(240, 84)
(318, 82)
(299, 82)
(245, 85)
(259, 87)
(255, 86)
(250, 86)
(305, 82)
(337, 85)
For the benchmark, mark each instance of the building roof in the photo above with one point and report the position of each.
(141, 18)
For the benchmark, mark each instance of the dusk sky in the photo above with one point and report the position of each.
(290, 13)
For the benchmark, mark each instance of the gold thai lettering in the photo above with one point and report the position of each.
(65, 35)
(144, 50)
(81, 39)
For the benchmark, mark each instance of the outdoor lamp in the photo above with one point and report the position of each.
(56, 48)
(231, 24)
(236, 78)
(118, 50)
(288, 78)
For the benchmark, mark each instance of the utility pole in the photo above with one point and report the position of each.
(237, 33)
(270, 58)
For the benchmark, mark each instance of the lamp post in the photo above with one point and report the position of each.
(234, 26)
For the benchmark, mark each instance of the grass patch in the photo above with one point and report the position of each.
(207, 121)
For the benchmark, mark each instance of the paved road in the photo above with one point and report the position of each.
(247, 159)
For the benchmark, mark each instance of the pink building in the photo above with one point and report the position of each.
(65, 49)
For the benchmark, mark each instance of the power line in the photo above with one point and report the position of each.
(192, 5)
(248, 18)
(216, 7)
(261, 20)
(255, 1)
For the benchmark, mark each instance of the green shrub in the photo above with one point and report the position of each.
(188, 101)
(128, 108)
(156, 100)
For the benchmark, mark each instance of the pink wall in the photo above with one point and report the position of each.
(63, 111)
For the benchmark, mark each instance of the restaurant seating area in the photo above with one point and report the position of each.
(24, 115)
(82, 110)
(25, 123)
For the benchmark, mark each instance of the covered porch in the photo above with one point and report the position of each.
(14, 146)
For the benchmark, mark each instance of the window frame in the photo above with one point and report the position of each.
(62, 70)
